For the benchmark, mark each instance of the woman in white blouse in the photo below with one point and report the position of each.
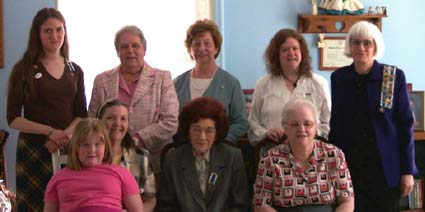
(289, 76)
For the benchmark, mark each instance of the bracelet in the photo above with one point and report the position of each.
(50, 132)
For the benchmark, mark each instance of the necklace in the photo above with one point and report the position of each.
(294, 84)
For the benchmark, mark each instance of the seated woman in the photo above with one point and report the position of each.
(203, 174)
(114, 114)
(303, 171)
(90, 182)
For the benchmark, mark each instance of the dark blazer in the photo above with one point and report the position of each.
(180, 190)
(393, 127)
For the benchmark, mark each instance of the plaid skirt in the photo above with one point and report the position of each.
(33, 172)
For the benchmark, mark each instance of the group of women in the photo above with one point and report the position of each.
(137, 109)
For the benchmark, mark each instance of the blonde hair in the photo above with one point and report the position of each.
(81, 131)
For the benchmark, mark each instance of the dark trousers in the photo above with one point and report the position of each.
(371, 192)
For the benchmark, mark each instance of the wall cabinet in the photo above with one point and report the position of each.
(333, 23)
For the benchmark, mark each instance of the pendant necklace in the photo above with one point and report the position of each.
(292, 83)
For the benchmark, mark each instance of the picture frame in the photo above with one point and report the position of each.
(332, 54)
(417, 103)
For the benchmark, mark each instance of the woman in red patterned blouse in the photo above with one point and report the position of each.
(303, 171)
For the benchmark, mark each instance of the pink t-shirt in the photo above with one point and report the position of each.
(103, 186)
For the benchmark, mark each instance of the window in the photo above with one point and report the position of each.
(91, 32)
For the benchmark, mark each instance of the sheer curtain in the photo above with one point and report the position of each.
(92, 24)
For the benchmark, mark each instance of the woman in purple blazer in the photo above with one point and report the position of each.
(372, 122)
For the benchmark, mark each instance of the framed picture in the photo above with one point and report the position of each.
(332, 54)
(417, 103)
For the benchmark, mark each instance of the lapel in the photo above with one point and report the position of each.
(217, 164)
(145, 85)
(374, 87)
(190, 178)
(111, 84)
(184, 92)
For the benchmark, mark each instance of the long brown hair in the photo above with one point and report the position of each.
(271, 56)
(22, 73)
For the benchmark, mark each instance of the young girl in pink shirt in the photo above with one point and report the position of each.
(90, 182)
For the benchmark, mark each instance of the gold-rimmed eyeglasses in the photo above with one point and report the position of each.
(298, 124)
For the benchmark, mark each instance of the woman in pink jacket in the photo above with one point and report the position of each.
(149, 93)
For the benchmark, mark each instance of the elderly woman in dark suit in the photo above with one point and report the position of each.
(372, 122)
(203, 174)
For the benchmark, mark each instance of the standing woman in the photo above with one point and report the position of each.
(372, 122)
(45, 102)
(289, 76)
(148, 92)
(203, 42)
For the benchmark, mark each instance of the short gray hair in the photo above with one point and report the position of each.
(295, 104)
(132, 29)
(366, 30)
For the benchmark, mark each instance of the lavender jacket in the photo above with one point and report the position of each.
(153, 111)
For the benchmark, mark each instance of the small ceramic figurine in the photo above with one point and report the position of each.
(378, 10)
(370, 12)
(384, 10)
(320, 42)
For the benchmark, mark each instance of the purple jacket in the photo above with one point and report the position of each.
(393, 127)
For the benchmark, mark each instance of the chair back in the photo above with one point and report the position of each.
(59, 160)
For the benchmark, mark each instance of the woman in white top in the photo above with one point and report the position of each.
(289, 76)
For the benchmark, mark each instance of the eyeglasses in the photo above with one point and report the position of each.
(298, 124)
(366, 43)
(197, 131)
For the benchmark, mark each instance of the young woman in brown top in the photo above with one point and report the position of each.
(45, 102)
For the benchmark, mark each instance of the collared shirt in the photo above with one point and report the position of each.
(270, 96)
(126, 90)
(138, 165)
(281, 181)
(202, 168)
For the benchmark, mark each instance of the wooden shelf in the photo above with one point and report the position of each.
(333, 23)
(420, 136)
